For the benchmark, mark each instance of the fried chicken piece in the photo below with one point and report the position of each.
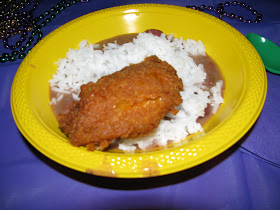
(126, 104)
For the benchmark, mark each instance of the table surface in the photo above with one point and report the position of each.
(246, 176)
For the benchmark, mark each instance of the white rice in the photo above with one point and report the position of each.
(87, 64)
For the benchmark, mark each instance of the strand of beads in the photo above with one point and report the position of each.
(12, 21)
(34, 25)
(220, 11)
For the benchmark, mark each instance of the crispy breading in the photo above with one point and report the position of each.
(126, 104)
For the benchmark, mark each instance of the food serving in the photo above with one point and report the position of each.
(135, 91)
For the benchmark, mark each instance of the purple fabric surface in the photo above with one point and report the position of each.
(246, 176)
(266, 141)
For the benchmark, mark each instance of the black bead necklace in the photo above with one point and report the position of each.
(220, 11)
(13, 22)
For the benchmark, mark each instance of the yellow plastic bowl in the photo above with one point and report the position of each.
(241, 66)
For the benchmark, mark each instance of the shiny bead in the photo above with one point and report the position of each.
(226, 4)
(3, 59)
(218, 11)
(5, 55)
(11, 58)
(21, 55)
(210, 8)
(24, 33)
(249, 21)
(254, 12)
(62, 8)
(43, 24)
(28, 44)
(240, 18)
(34, 32)
(53, 16)
(231, 15)
(242, 4)
(74, 2)
(47, 13)
(6, 46)
(48, 20)
(18, 43)
(249, 7)
(31, 39)
(259, 19)
(23, 38)
(40, 35)
(24, 13)
(202, 7)
(22, 49)
(15, 53)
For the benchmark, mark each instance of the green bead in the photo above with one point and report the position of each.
(28, 51)
(40, 35)
(73, 2)
(21, 55)
(28, 44)
(58, 11)
(62, 8)
(12, 58)
(63, 2)
(15, 53)
(58, 5)
(22, 49)
(53, 16)
(52, 9)
(3, 59)
(68, 5)
(34, 32)
(43, 24)
(31, 39)
(38, 28)
(41, 17)
(5, 55)
(48, 20)
(47, 13)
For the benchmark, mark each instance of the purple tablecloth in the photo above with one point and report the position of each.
(246, 176)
